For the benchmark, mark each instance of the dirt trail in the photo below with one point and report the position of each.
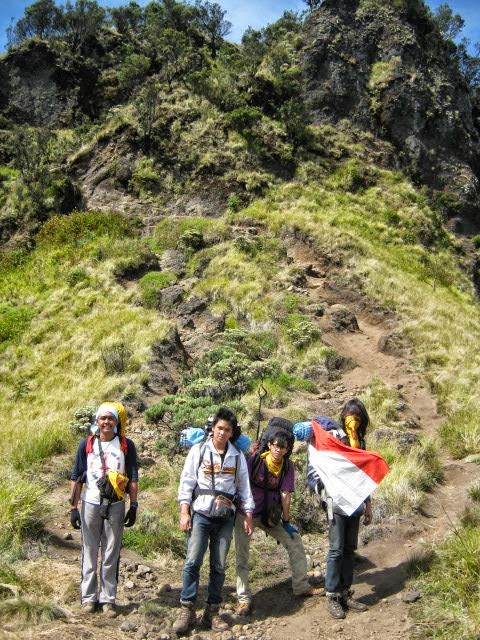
(381, 571)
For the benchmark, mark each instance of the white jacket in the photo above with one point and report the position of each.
(199, 472)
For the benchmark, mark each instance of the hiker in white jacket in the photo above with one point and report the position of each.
(214, 476)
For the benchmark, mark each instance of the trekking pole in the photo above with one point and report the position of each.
(261, 392)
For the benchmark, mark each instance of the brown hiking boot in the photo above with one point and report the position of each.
(109, 610)
(244, 609)
(186, 619)
(335, 609)
(89, 607)
(350, 603)
(211, 618)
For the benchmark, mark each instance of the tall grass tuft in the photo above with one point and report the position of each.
(22, 508)
(450, 609)
(30, 611)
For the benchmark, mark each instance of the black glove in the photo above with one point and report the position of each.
(75, 518)
(131, 515)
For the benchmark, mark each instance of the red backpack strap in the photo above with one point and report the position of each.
(89, 445)
(124, 445)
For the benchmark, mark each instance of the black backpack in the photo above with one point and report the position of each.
(274, 426)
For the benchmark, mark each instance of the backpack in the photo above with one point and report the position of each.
(274, 425)
(329, 424)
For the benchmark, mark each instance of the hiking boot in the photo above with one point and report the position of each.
(211, 618)
(109, 610)
(244, 609)
(349, 602)
(335, 609)
(186, 619)
(89, 607)
(312, 591)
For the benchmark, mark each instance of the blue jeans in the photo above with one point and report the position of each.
(218, 533)
(343, 539)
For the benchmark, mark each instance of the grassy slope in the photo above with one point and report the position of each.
(66, 308)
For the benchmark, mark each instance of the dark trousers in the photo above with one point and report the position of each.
(343, 540)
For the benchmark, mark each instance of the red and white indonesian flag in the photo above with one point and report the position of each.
(349, 475)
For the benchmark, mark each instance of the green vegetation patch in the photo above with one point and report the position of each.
(22, 507)
(13, 321)
(151, 286)
(450, 606)
(174, 233)
(82, 227)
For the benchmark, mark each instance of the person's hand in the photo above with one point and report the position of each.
(289, 528)
(131, 515)
(248, 524)
(75, 520)
(368, 514)
(185, 522)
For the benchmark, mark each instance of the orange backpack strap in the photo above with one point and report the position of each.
(90, 439)
(89, 445)
(124, 445)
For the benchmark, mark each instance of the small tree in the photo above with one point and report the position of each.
(176, 54)
(211, 21)
(41, 19)
(449, 24)
(133, 72)
(82, 21)
(147, 107)
(127, 19)
(313, 4)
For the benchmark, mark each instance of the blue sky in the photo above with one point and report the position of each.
(254, 13)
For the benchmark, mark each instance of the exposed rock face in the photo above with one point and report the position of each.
(39, 88)
(389, 71)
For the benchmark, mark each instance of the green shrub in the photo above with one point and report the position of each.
(234, 203)
(474, 492)
(243, 118)
(151, 286)
(116, 357)
(145, 179)
(181, 410)
(77, 277)
(300, 330)
(476, 241)
(169, 232)
(191, 239)
(13, 321)
(83, 419)
(135, 259)
(460, 432)
(79, 228)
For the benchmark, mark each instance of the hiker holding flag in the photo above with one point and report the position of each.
(344, 474)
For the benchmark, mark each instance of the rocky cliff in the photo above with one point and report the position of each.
(386, 69)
